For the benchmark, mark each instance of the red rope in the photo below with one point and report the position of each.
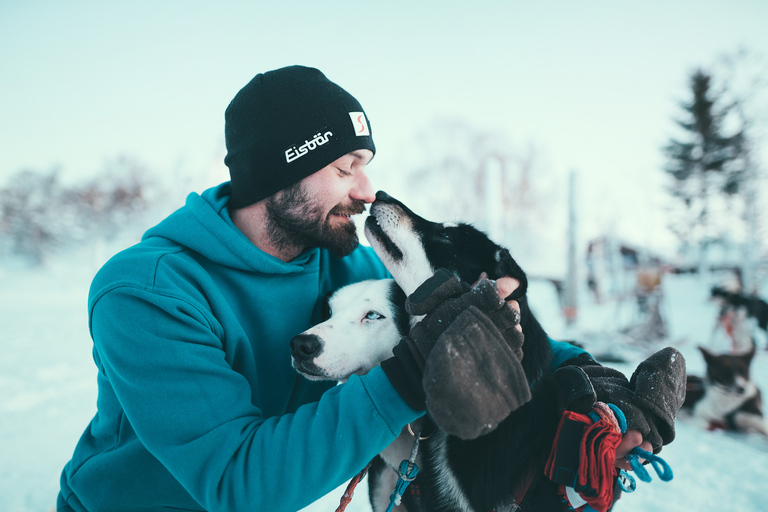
(350, 492)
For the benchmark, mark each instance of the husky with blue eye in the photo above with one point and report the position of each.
(362, 323)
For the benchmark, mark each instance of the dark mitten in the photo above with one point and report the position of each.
(405, 369)
(612, 387)
(405, 372)
(473, 379)
(450, 298)
(575, 389)
(649, 401)
(443, 285)
(659, 384)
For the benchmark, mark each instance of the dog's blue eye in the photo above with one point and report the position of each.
(373, 315)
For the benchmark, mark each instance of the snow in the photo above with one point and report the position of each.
(48, 391)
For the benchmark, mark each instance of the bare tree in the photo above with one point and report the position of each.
(448, 177)
(39, 214)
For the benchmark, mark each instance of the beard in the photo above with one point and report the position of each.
(296, 220)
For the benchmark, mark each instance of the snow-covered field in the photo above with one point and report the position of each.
(48, 393)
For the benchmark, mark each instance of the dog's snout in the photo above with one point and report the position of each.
(383, 196)
(305, 346)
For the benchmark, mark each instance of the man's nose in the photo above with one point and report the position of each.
(363, 190)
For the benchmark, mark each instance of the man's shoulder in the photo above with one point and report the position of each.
(138, 266)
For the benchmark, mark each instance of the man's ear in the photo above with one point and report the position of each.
(507, 266)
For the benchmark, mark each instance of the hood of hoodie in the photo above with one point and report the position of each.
(204, 226)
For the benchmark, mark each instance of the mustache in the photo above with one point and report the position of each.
(355, 208)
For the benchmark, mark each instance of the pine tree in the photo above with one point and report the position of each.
(707, 166)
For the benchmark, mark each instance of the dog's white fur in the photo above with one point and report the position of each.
(360, 333)
(414, 268)
(719, 401)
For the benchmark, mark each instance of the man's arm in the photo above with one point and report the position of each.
(193, 412)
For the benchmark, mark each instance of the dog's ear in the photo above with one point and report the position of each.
(325, 308)
(708, 356)
(401, 318)
(507, 266)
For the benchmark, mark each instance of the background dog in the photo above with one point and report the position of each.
(726, 397)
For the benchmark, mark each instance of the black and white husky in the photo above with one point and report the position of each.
(726, 397)
(492, 472)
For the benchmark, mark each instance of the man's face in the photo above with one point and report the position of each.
(316, 211)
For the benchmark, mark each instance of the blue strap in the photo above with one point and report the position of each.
(408, 472)
(663, 470)
(627, 482)
(620, 418)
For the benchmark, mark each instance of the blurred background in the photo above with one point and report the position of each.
(618, 150)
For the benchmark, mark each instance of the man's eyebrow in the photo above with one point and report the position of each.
(358, 154)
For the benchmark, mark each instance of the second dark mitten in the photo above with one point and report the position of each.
(612, 386)
(651, 399)
(659, 385)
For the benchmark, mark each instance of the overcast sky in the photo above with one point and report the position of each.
(592, 85)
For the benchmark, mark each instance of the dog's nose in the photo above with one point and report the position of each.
(305, 347)
(383, 196)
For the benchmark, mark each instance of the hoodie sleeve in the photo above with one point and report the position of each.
(562, 351)
(193, 412)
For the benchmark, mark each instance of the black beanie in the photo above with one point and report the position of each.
(285, 125)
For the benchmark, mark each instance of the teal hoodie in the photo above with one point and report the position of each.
(198, 406)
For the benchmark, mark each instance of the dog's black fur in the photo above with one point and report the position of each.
(490, 469)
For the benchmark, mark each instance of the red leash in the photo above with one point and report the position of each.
(350, 492)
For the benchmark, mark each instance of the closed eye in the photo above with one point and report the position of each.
(374, 315)
(343, 172)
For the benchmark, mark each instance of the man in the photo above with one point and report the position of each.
(199, 407)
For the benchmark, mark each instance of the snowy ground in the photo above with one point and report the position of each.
(48, 395)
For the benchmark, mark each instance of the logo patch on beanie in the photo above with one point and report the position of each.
(294, 153)
(360, 123)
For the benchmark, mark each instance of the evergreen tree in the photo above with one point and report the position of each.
(707, 165)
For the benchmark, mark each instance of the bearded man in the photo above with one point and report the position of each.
(199, 407)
